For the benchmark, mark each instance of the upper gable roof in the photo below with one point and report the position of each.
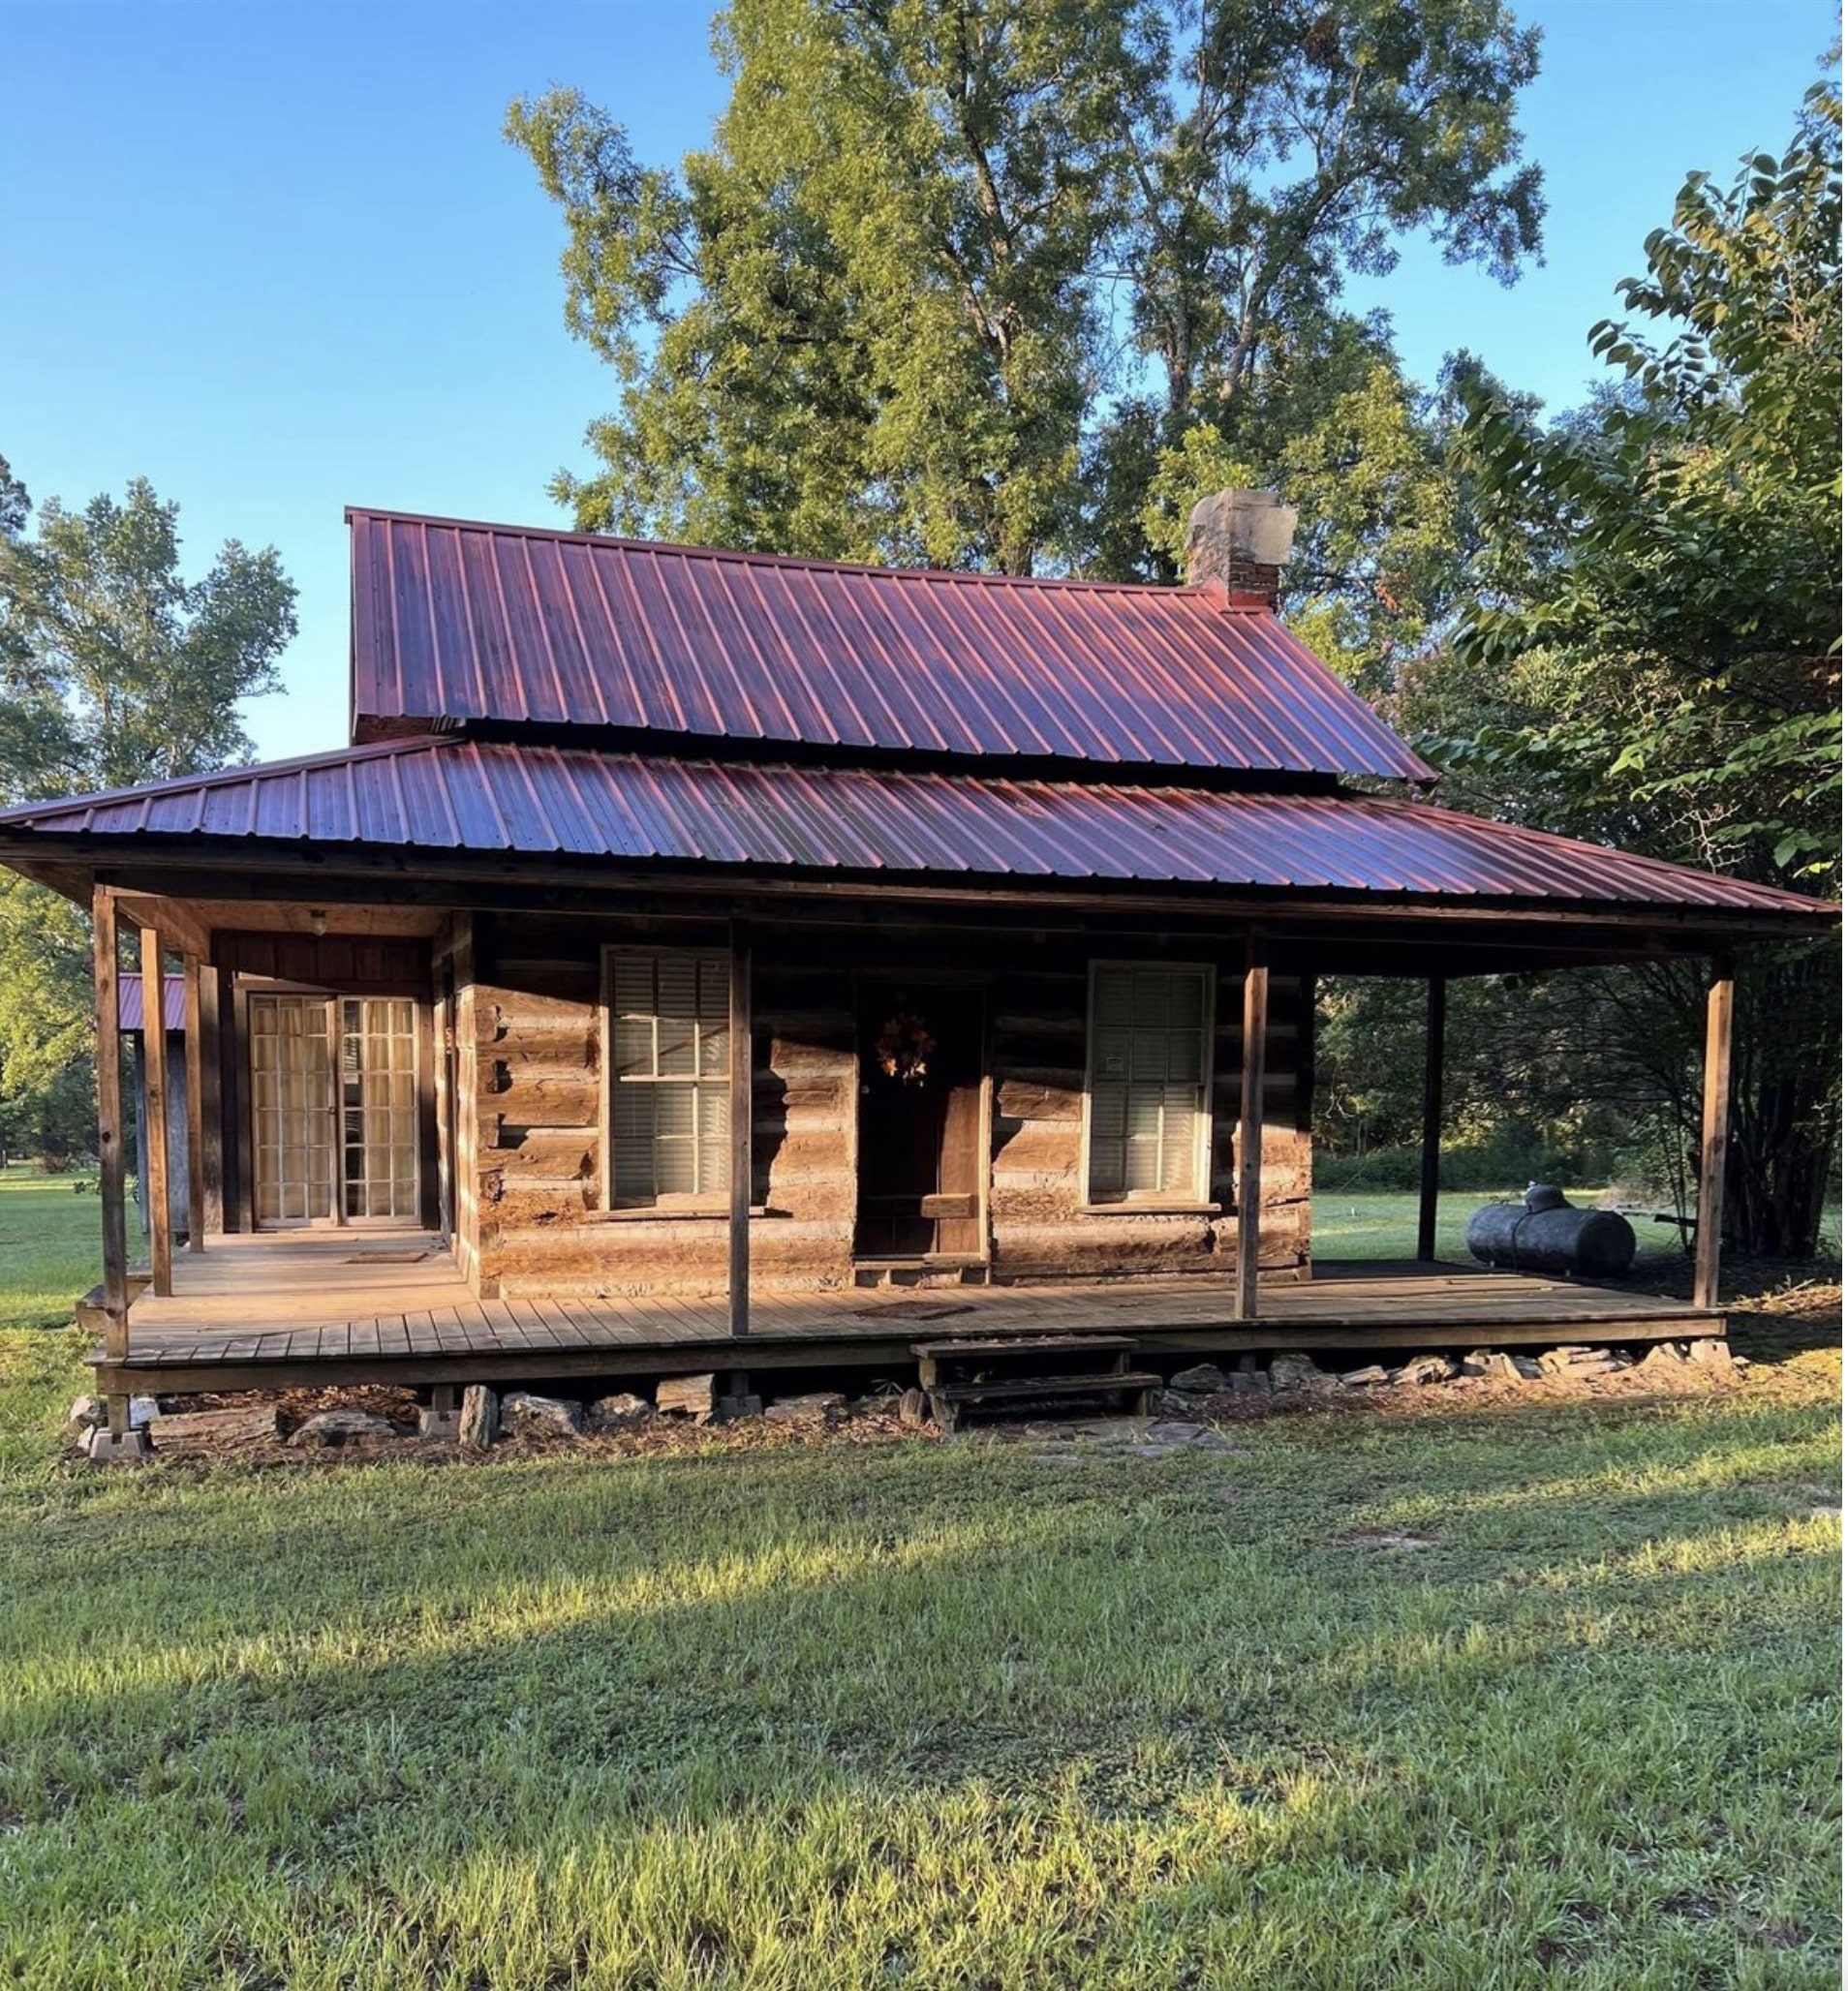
(460, 622)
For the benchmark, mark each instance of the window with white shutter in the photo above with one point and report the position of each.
(669, 1056)
(1150, 1065)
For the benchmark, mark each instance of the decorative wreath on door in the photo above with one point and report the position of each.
(904, 1048)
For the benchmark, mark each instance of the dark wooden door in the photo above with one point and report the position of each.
(920, 1158)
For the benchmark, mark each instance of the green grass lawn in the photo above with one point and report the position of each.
(1350, 1224)
(50, 1244)
(833, 1715)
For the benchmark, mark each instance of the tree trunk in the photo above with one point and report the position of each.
(1787, 1100)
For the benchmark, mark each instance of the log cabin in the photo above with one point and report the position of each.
(708, 960)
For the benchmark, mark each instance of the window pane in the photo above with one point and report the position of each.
(633, 1142)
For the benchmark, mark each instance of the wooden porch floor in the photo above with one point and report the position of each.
(279, 1309)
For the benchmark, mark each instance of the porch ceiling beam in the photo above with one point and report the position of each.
(1301, 922)
(180, 928)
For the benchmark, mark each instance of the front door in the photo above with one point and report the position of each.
(920, 1133)
(334, 1133)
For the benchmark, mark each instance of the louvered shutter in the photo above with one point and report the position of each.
(1151, 1052)
(669, 1061)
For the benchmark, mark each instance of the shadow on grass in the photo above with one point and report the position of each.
(941, 1715)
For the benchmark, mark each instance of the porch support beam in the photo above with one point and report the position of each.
(212, 1127)
(1250, 1180)
(1715, 1113)
(1434, 991)
(178, 925)
(739, 1091)
(113, 1171)
(194, 1112)
(154, 1163)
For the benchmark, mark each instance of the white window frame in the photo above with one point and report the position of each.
(1197, 1195)
(680, 1202)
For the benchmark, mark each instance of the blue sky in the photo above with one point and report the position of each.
(277, 258)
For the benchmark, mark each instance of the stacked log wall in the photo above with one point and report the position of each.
(539, 1043)
(1041, 1228)
(531, 1197)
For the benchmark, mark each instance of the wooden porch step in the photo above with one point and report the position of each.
(997, 1389)
(1023, 1344)
(949, 1400)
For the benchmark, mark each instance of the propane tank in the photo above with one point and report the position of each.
(1544, 1233)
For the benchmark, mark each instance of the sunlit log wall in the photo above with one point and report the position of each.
(531, 1205)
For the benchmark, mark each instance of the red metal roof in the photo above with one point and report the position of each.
(128, 1002)
(499, 623)
(459, 794)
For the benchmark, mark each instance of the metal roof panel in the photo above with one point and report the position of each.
(454, 620)
(455, 793)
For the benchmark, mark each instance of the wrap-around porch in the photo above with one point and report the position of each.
(276, 1309)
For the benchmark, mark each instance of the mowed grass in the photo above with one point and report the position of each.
(1379, 1223)
(934, 1715)
(50, 1244)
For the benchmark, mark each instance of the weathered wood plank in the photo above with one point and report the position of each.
(1434, 1119)
(1250, 1180)
(156, 1161)
(196, 1136)
(1716, 1089)
(738, 1222)
(112, 1147)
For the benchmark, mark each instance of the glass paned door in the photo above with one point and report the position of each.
(334, 1117)
(291, 1102)
(379, 1106)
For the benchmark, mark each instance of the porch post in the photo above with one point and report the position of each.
(212, 1123)
(1251, 1189)
(160, 1213)
(738, 1271)
(1433, 1118)
(194, 1113)
(1715, 1108)
(111, 1169)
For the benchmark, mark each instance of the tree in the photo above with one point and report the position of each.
(1277, 152)
(113, 669)
(1383, 550)
(122, 670)
(1660, 612)
(952, 277)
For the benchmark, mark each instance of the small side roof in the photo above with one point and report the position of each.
(129, 1009)
(504, 798)
(507, 627)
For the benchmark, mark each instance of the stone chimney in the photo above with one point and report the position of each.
(1237, 540)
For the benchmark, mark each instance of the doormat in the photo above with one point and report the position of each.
(910, 1310)
(387, 1258)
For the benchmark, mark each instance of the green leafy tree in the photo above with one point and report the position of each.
(113, 669)
(1277, 152)
(1660, 613)
(951, 278)
(860, 323)
(1382, 552)
(125, 670)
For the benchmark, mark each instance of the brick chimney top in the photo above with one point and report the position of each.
(1237, 541)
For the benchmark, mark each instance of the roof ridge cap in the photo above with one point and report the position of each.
(683, 549)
